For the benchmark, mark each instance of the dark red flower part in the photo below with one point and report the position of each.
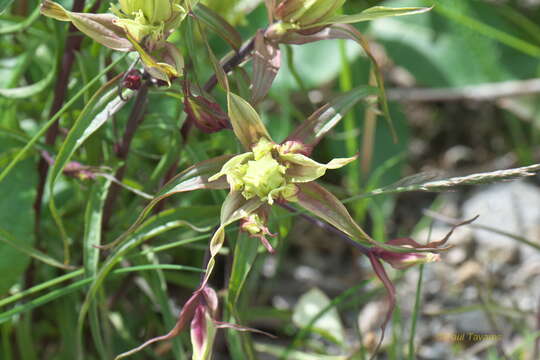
(204, 113)
(133, 80)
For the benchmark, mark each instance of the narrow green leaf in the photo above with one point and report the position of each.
(158, 286)
(71, 288)
(105, 103)
(91, 241)
(101, 107)
(218, 24)
(373, 13)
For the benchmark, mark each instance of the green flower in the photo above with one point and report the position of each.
(136, 25)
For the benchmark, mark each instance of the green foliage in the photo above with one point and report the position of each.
(98, 172)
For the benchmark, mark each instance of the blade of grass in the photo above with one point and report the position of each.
(91, 242)
(487, 30)
(416, 312)
(57, 293)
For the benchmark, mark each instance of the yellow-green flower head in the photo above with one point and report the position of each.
(270, 171)
(153, 18)
(154, 11)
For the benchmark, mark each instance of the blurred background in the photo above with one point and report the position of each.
(463, 82)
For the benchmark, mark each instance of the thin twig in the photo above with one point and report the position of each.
(480, 92)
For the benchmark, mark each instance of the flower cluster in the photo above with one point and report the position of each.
(134, 25)
(266, 173)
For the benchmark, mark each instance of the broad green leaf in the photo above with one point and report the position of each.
(328, 325)
(372, 13)
(314, 128)
(245, 253)
(247, 125)
(218, 24)
(16, 219)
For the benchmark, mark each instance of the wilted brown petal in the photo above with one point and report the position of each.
(99, 27)
(266, 64)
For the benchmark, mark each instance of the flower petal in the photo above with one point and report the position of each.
(305, 169)
(323, 204)
(99, 27)
(246, 123)
(378, 268)
(314, 128)
(187, 313)
(266, 64)
(234, 208)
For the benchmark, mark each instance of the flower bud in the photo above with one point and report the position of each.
(303, 13)
(205, 114)
(203, 332)
(255, 226)
(406, 260)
